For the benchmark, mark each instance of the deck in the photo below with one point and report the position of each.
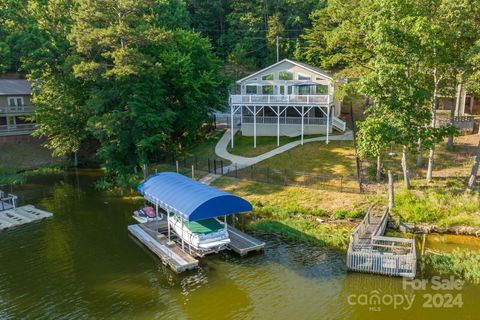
(153, 235)
(168, 251)
(242, 243)
(12, 217)
(370, 251)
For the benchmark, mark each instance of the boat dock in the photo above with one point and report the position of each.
(13, 217)
(242, 243)
(153, 235)
(370, 251)
(168, 251)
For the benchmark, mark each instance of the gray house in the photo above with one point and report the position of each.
(288, 98)
(15, 106)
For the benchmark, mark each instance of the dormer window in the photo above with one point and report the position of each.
(304, 77)
(268, 77)
(285, 75)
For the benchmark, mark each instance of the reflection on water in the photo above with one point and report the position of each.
(83, 264)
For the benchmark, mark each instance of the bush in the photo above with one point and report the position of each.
(461, 263)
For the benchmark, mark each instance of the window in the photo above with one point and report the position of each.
(15, 103)
(303, 77)
(285, 75)
(251, 89)
(321, 89)
(282, 90)
(304, 90)
(267, 89)
(268, 77)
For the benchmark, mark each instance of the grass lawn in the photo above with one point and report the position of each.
(205, 148)
(244, 145)
(335, 158)
(26, 155)
(292, 211)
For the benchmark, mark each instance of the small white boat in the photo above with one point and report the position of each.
(209, 235)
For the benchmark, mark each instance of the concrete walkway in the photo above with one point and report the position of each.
(242, 162)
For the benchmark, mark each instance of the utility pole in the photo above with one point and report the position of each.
(276, 42)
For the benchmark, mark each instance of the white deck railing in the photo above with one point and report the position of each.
(17, 109)
(281, 99)
(286, 120)
(17, 128)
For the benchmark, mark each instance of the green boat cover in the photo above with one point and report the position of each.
(205, 226)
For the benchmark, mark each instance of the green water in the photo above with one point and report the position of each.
(82, 264)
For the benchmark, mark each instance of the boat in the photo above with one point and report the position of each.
(145, 214)
(207, 235)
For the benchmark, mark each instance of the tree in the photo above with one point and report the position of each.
(150, 88)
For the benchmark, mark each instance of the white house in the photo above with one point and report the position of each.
(288, 98)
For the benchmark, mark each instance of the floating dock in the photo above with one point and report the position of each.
(153, 235)
(370, 251)
(12, 217)
(168, 251)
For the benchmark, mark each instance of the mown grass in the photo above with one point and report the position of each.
(461, 263)
(335, 158)
(206, 147)
(292, 211)
(243, 145)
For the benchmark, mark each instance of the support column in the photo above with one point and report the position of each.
(183, 244)
(168, 224)
(254, 126)
(471, 103)
(328, 125)
(303, 114)
(231, 125)
(278, 126)
(463, 102)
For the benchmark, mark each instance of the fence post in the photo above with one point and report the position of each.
(215, 166)
(221, 165)
(193, 172)
(208, 165)
(236, 171)
(176, 164)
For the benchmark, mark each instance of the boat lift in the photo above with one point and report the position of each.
(189, 200)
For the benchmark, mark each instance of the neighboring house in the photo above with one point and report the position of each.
(15, 106)
(288, 98)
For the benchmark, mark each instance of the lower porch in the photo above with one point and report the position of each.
(290, 121)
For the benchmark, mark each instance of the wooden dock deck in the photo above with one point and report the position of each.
(13, 217)
(370, 251)
(168, 251)
(154, 236)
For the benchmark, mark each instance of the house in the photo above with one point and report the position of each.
(15, 106)
(288, 98)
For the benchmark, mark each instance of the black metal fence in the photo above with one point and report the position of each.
(202, 166)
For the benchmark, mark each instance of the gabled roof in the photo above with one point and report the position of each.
(190, 199)
(299, 64)
(15, 87)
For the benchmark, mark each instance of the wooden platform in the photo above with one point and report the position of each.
(169, 252)
(243, 243)
(153, 235)
(370, 251)
(14, 217)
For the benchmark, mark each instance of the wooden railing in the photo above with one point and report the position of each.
(379, 254)
(17, 110)
(281, 99)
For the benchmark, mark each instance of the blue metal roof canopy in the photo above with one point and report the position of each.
(190, 199)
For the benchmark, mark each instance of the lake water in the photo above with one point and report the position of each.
(82, 264)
